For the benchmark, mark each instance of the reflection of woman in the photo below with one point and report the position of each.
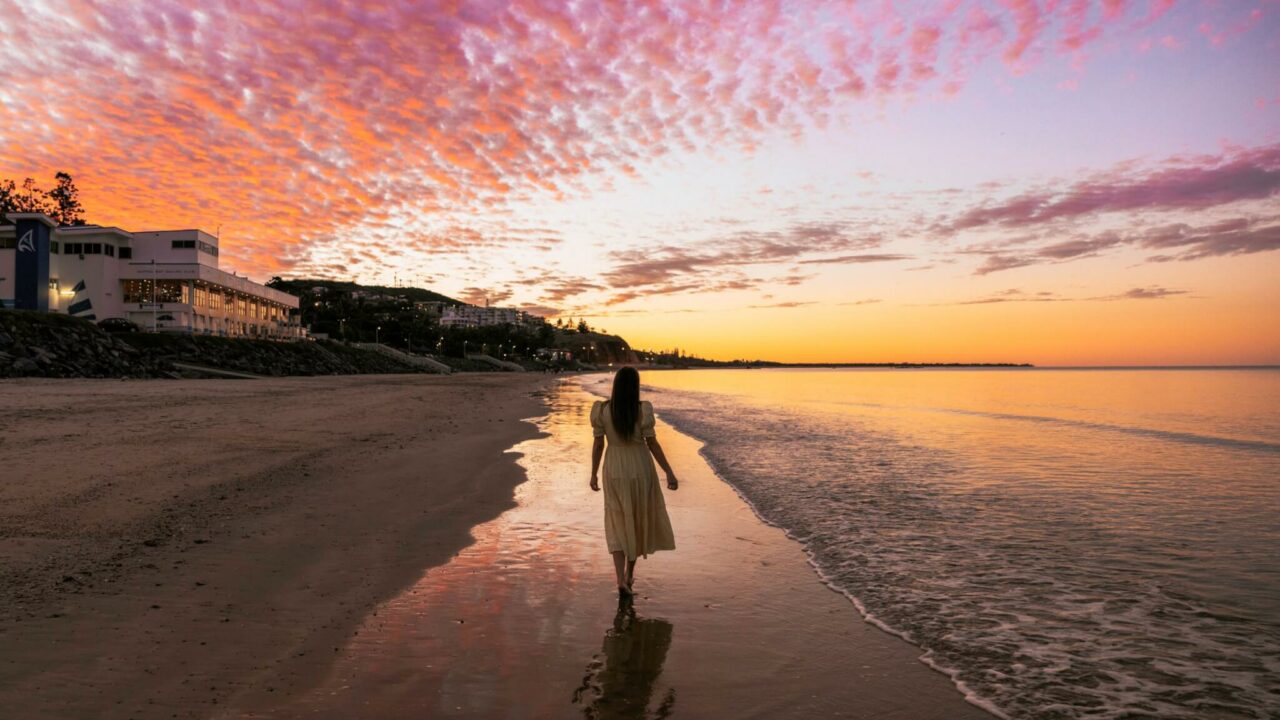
(635, 516)
(622, 685)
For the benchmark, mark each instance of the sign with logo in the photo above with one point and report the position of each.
(31, 264)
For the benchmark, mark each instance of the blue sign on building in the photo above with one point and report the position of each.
(31, 261)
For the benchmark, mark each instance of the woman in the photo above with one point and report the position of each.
(635, 516)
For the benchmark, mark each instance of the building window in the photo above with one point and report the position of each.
(208, 249)
(53, 247)
(8, 243)
(110, 250)
(166, 291)
(126, 253)
(184, 244)
(72, 249)
(92, 249)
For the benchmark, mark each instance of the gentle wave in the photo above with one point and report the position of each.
(1148, 432)
(1036, 605)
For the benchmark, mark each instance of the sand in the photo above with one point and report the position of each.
(349, 547)
(166, 546)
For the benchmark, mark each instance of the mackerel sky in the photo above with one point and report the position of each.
(1053, 182)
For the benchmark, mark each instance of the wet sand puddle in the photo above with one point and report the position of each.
(526, 622)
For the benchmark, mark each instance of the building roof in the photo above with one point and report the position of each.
(94, 230)
(16, 216)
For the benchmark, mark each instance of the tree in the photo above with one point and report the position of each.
(582, 326)
(27, 198)
(7, 199)
(64, 201)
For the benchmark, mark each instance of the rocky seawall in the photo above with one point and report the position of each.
(36, 344)
(266, 357)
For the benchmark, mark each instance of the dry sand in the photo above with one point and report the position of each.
(167, 545)
(256, 549)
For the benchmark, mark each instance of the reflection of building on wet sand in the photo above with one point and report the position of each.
(620, 681)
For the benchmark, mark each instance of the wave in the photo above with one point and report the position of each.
(1033, 608)
(1147, 432)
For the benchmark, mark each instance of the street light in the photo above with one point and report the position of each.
(377, 340)
(153, 295)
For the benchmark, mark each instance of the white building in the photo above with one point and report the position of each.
(472, 316)
(162, 280)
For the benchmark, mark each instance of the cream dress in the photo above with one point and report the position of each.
(635, 516)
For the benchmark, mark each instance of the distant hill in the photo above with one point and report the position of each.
(595, 347)
(306, 285)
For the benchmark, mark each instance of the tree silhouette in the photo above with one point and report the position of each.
(62, 203)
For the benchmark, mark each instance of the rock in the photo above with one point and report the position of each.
(25, 365)
(5, 339)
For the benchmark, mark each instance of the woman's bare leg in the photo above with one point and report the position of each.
(631, 572)
(619, 563)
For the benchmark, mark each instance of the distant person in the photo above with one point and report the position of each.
(635, 515)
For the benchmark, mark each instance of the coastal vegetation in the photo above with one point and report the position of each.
(409, 319)
(61, 202)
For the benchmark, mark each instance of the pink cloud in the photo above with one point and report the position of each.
(291, 121)
(1251, 174)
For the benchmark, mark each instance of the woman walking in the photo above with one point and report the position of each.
(635, 516)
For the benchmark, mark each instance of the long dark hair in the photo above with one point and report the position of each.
(624, 404)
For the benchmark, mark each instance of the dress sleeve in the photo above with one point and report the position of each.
(597, 419)
(646, 420)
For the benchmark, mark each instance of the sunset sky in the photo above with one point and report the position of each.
(1057, 182)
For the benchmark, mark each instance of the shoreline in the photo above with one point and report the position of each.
(925, 657)
(169, 546)
(734, 623)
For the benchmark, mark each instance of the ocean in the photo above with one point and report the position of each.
(1063, 543)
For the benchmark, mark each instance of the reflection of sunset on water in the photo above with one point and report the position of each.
(527, 617)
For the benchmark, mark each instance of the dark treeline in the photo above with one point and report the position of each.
(406, 319)
(61, 202)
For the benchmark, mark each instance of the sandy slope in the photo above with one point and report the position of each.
(165, 545)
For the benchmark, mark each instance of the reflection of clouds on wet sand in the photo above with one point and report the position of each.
(621, 679)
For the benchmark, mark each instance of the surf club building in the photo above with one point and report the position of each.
(164, 281)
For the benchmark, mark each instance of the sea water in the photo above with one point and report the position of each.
(1062, 543)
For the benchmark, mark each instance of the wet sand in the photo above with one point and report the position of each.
(168, 548)
(525, 623)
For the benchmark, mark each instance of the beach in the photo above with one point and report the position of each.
(166, 546)
(270, 549)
